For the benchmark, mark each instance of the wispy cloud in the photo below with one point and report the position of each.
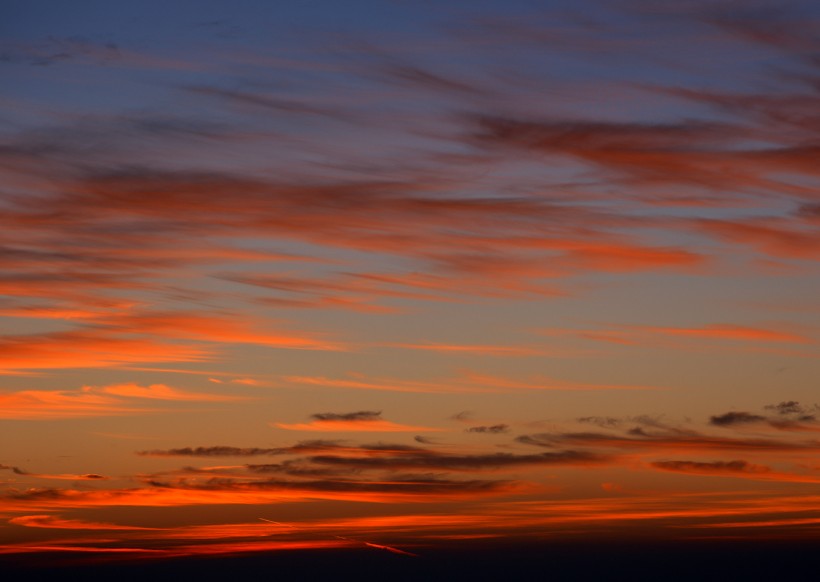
(54, 522)
(468, 382)
(163, 392)
(96, 401)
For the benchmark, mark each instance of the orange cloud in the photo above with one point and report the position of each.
(481, 350)
(53, 522)
(466, 383)
(740, 469)
(643, 334)
(372, 426)
(94, 401)
(161, 392)
(731, 332)
(193, 326)
(258, 493)
(51, 404)
(88, 349)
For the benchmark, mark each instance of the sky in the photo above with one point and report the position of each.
(399, 276)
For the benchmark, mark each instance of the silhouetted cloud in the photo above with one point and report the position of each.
(665, 442)
(733, 418)
(360, 421)
(492, 429)
(463, 462)
(711, 466)
(362, 415)
(791, 407)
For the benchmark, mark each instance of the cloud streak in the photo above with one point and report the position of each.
(363, 421)
(90, 401)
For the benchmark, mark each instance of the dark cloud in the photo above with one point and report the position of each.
(583, 138)
(709, 467)
(493, 429)
(360, 416)
(403, 486)
(300, 448)
(298, 468)
(734, 418)
(462, 462)
(670, 442)
(789, 407)
(809, 211)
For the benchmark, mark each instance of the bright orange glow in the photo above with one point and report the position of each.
(52, 522)
(355, 426)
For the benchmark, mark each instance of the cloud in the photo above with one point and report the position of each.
(116, 399)
(54, 522)
(462, 462)
(790, 415)
(62, 476)
(707, 468)
(734, 418)
(53, 404)
(732, 332)
(790, 407)
(648, 335)
(364, 415)
(256, 491)
(162, 392)
(89, 349)
(666, 442)
(467, 382)
(481, 350)
(492, 429)
(364, 421)
(210, 328)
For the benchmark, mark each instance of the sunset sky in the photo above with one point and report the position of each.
(395, 275)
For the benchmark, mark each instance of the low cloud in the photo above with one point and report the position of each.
(361, 421)
(734, 418)
(363, 416)
(710, 467)
(492, 429)
(463, 462)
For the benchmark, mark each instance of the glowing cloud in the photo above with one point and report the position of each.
(364, 421)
